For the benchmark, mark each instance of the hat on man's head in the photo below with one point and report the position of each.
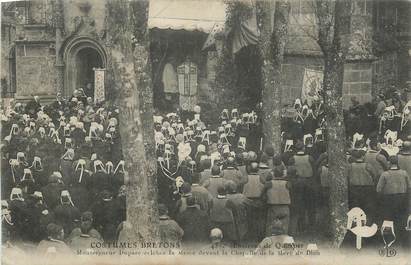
(356, 154)
(406, 146)
(393, 160)
(269, 150)
(53, 230)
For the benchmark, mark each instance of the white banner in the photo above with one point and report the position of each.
(99, 94)
(312, 85)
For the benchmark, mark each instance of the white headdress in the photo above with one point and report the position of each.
(21, 158)
(242, 142)
(308, 140)
(319, 135)
(120, 165)
(14, 129)
(81, 164)
(356, 138)
(223, 139)
(69, 154)
(16, 194)
(206, 136)
(27, 175)
(234, 113)
(288, 145)
(109, 167)
(98, 163)
(66, 193)
(388, 225)
(13, 164)
(36, 160)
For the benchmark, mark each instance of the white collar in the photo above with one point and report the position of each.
(55, 240)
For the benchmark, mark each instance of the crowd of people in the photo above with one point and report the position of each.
(63, 176)
(61, 170)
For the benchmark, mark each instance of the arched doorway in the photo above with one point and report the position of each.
(87, 59)
(81, 55)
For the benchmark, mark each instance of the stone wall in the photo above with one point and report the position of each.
(357, 78)
(35, 68)
(357, 82)
(7, 42)
(74, 10)
(384, 71)
(8, 35)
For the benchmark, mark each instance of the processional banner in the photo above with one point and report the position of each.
(312, 85)
(99, 93)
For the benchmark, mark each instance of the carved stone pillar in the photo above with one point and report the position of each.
(59, 64)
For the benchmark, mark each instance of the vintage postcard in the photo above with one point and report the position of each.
(205, 132)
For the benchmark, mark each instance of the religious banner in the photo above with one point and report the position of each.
(99, 93)
(312, 85)
(187, 85)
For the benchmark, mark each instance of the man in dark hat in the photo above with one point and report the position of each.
(185, 194)
(392, 186)
(107, 215)
(404, 157)
(277, 236)
(361, 191)
(215, 181)
(54, 243)
(241, 205)
(195, 224)
(205, 167)
(269, 151)
(84, 240)
(40, 216)
(170, 231)
(376, 161)
(253, 190)
(381, 105)
(304, 187)
(86, 217)
(231, 172)
(201, 195)
(221, 215)
(278, 199)
(33, 106)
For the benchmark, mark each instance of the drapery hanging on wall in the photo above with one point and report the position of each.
(169, 79)
(246, 33)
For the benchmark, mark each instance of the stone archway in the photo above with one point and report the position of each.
(80, 56)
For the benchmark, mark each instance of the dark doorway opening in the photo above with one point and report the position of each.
(248, 63)
(86, 60)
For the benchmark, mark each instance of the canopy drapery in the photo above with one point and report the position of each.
(188, 15)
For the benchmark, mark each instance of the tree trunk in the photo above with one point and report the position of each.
(128, 31)
(225, 70)
(272, 43)
(333, 85)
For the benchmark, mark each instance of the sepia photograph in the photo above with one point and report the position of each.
(205, 132)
